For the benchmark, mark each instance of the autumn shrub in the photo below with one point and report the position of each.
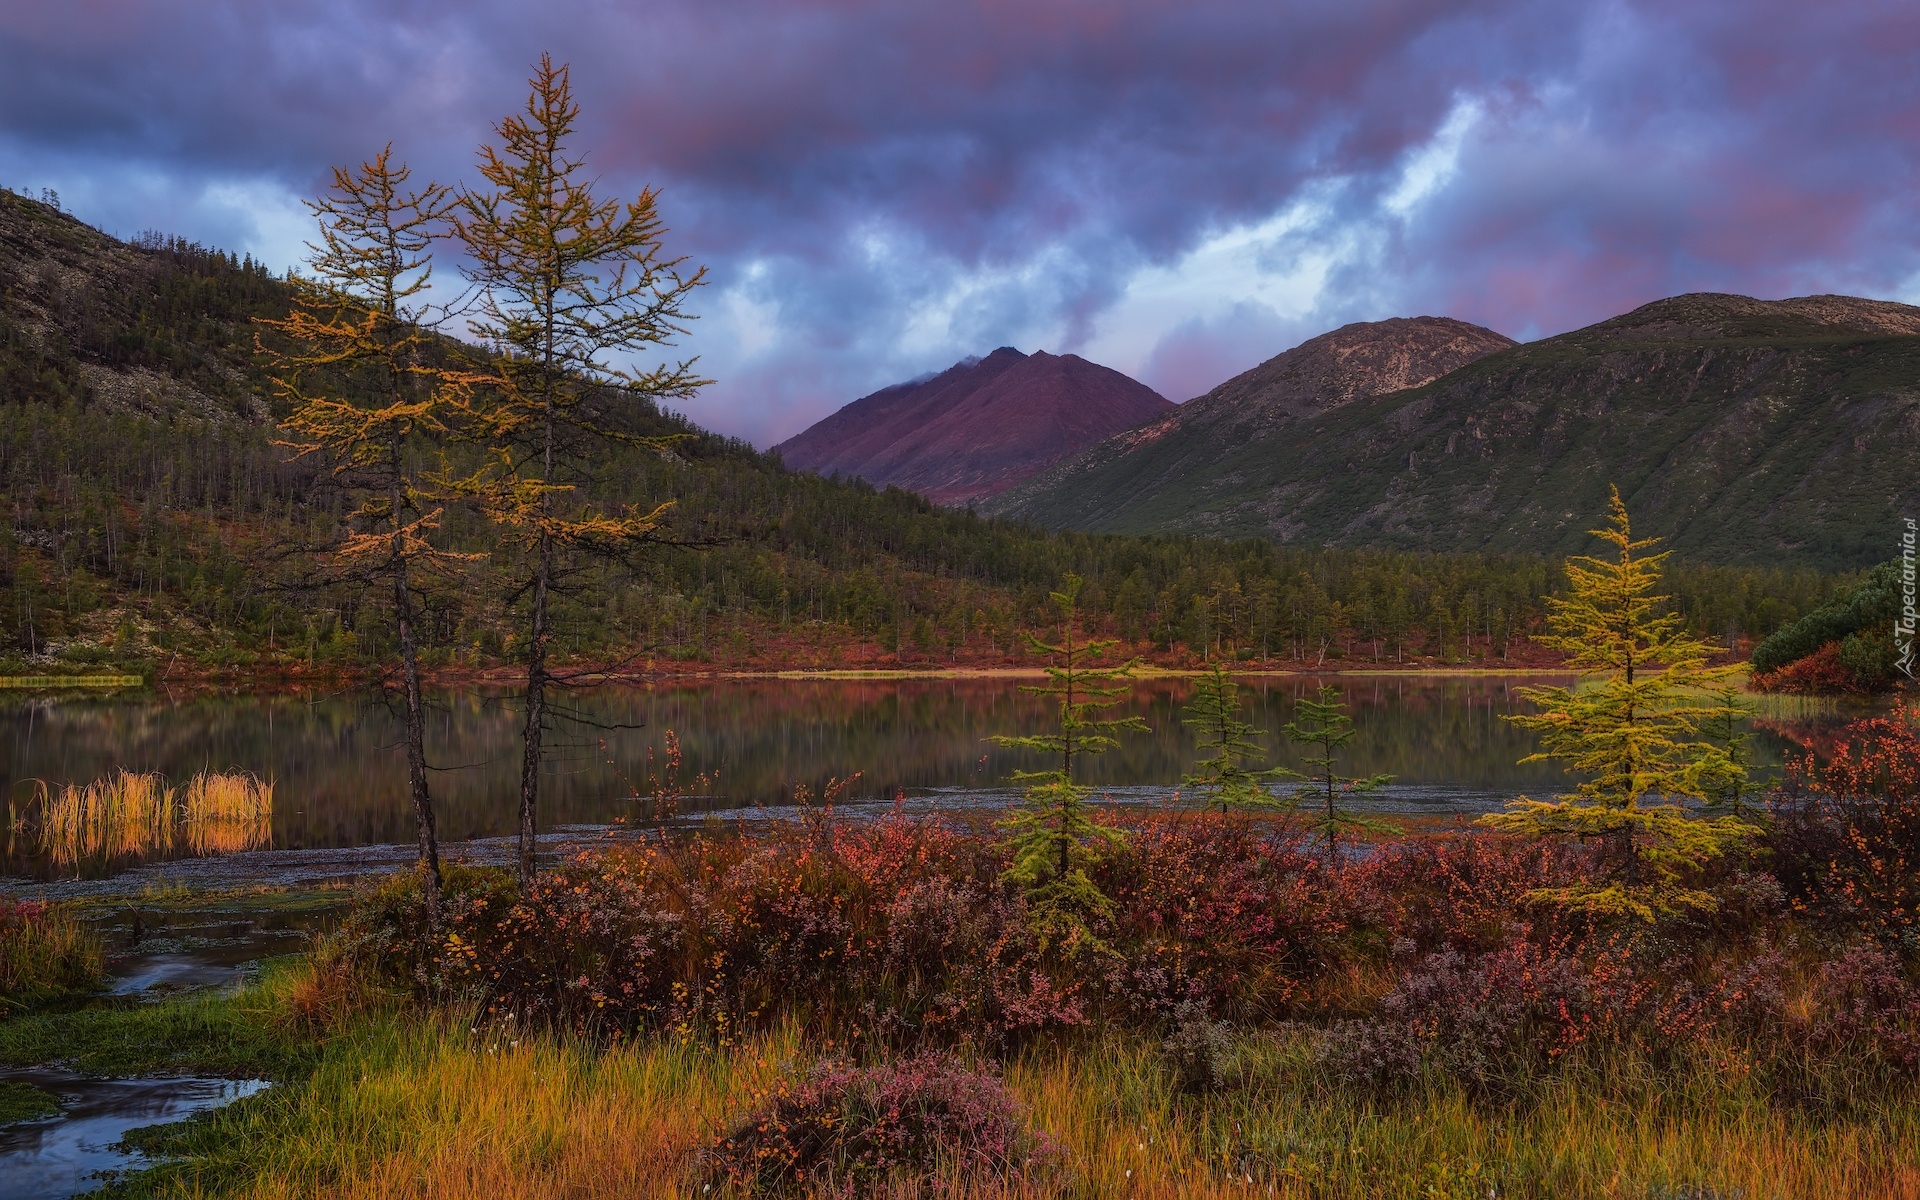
(1497, 1023)
(894, 928)
(46, 952)
(903, 930)
(848, 1130)
(1419, 958)
(1211, 909)
(1865, 1005)
(1821, 673)
(1468, 892)
(1490, 1021)
(1198, 1048)
(1845, 840)
(390, 935)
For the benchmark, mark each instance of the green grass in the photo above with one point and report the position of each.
(242, 1035)
(24, 1102)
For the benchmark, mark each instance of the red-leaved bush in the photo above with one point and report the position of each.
(1468, 892)
(844, 1129)
(1210, 909)
(901, 929)
(1818, 674)
(1498, 1020)
(1864, 1003)
(1846, 836)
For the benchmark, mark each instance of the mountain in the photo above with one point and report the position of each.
(1352, 362)
(1743, 431)
(977, 428)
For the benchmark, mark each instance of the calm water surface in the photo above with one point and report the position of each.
(65, 1155)
(340, 781)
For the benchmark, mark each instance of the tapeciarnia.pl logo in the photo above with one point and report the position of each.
(1903, 624)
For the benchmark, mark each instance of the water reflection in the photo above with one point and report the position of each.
(132, 815)
(66, 1154)
(339, 780)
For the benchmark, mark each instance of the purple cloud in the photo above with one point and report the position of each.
(1178, 191)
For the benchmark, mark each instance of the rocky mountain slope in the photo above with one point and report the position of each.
(1743, 431)
(158, 327)
(976, 428)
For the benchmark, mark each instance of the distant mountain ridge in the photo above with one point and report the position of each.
(1355, 361)
(978, 427)
(1741, 430)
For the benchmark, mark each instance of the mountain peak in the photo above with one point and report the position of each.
(1365, 358)
(978, 427)
(1738, 430)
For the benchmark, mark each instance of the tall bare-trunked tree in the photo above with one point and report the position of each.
(564, 281)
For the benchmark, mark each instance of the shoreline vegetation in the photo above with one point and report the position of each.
(267, 681)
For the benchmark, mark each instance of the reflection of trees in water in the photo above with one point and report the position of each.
(338, 765)
(1815, 730)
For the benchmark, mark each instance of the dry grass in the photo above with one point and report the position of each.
(432, 1110)
(132, 814)
(126, 813)
(1282, 1135)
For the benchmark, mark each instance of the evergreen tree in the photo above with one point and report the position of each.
(1054, 839)
(1221, 775)
(1734, 792)
(1637, 735)
(564, 281)
(356, 368)
(1324, 725)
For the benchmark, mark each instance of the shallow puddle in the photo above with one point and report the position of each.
(64, 1155)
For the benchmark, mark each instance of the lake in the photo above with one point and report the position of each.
(339, 778)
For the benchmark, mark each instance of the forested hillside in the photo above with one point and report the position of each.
(1743, 431)
(152, 520)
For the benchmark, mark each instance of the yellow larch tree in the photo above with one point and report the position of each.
(564, 281)
(1636, 729)
(357, 362)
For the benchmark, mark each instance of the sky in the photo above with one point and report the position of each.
(1177, 190)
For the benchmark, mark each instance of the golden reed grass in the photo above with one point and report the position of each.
(224, 813)
(133, 813)
(434, 1110)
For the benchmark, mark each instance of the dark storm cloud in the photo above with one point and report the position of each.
(882, 187)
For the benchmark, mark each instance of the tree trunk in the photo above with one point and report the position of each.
(1330, 808)
(424, 825)
(416, 746)
(536, 713)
